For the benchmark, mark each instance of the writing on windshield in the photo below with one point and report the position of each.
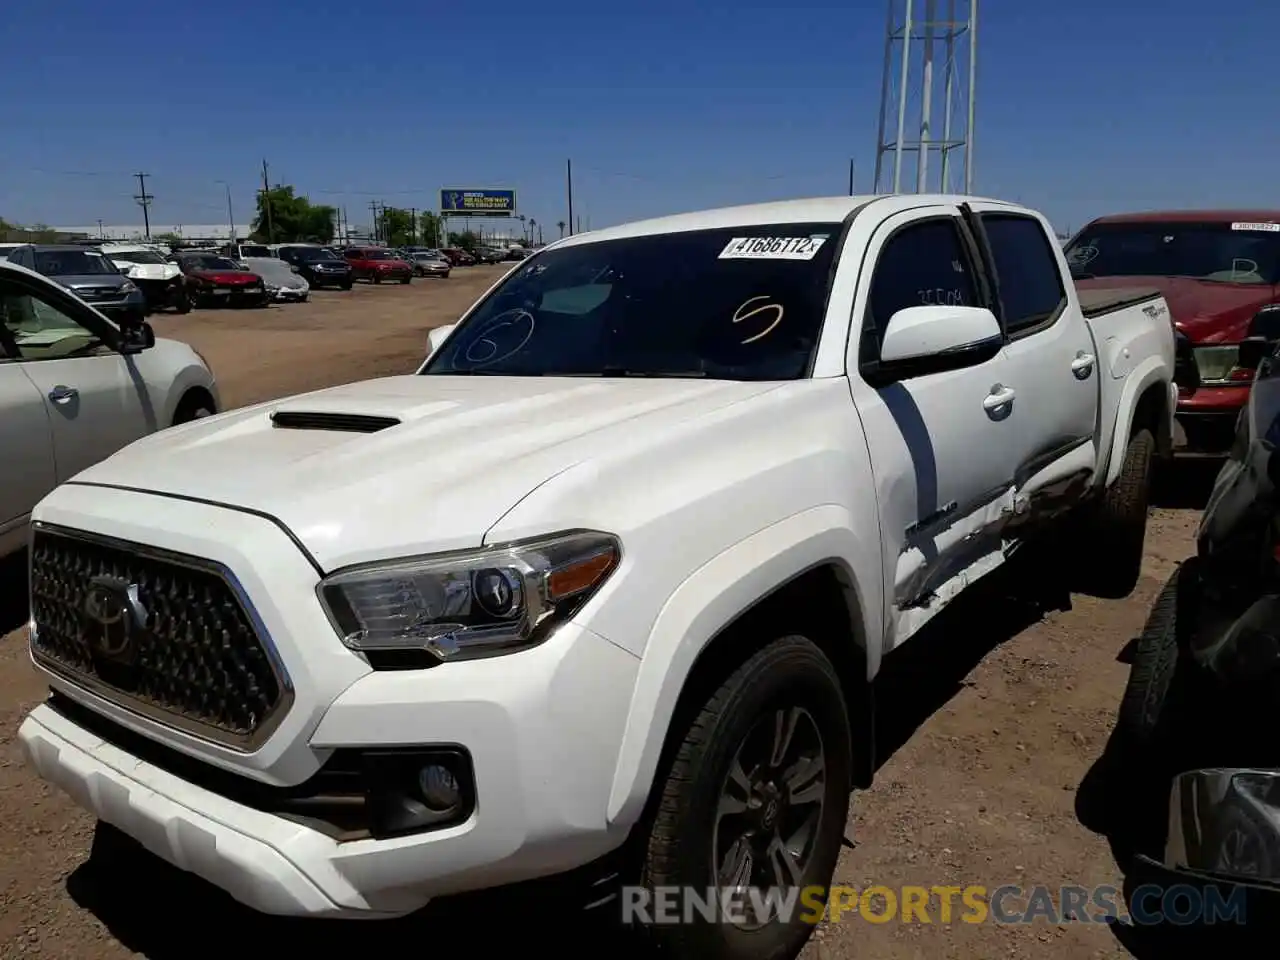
(745, 303)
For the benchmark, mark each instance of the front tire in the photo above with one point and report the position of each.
(757, 795)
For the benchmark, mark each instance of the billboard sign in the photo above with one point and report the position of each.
(478, 203)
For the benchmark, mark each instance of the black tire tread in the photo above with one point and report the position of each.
(1155, 661)
(1111, 551)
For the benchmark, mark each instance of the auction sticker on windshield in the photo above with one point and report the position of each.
(1264, 227)
(772, 248)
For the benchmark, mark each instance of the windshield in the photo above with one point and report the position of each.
(73, 263)
(313, 253)
(137, 256)
(211, 263)
(254, 250)
(376, 255)
(735, 304)
(1237, 253)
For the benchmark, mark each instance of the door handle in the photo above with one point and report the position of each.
(999, 402)
(1082, 365)
(61, 394)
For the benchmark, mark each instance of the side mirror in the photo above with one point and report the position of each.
(438, 336)
(934, 339)
(1254, 350)
(136, 337)
(1266, 323)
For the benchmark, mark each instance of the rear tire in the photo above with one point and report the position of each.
(1109, 556)
(730, 787)
(346, 284)
(183, 304)
(407, 280)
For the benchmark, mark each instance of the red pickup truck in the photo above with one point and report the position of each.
(1218, 270)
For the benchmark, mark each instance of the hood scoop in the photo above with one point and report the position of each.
(340, 422)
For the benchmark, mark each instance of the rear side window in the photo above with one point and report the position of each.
(924, 264)
(1027, 271)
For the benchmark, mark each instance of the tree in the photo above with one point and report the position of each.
(168, 239)
(397, 227)
(466, 240)
(561, 225)
(292, 219)
(429, 231)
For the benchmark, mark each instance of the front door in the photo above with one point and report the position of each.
(942, 446)
(95, 399)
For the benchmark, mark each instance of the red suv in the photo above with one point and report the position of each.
(1217, 270)
(377, 264)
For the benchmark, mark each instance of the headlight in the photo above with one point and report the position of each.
(128, 287)
(1217, 364)
(470, 604)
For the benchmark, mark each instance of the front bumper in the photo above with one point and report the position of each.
(318, 279)
(542, 775)
(1205, 423)
(289, 294)
(233, 296)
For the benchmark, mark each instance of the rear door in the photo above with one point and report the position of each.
(1053, 361)
(943, 452)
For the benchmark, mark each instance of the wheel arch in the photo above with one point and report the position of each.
(810, 582)
(1144, 403)
(193, 398)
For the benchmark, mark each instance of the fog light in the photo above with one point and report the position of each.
(439, 788)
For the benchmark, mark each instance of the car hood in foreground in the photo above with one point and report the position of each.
(458, 454)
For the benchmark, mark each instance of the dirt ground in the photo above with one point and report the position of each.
(994, 731)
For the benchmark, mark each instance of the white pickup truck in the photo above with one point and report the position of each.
(613, 574)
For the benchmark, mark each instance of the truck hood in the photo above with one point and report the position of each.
(1206, 312)
(460, 453)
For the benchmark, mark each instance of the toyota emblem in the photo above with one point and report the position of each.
(113, 613)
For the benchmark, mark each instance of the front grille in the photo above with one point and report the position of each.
(161, 633)
(98, 293)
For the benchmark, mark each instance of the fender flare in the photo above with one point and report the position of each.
(1144, 374)
(704, 604)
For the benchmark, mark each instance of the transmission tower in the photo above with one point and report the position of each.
(908, 99)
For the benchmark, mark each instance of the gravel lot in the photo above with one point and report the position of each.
(995, 733)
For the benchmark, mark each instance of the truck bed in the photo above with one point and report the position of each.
(1094, 303)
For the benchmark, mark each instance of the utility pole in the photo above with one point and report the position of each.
(568, 174)
(851, 176)
(144, 200)
(413, 226)
(101, 235)
(266, 203)
(373, 212)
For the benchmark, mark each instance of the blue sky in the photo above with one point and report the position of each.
(1083, 108)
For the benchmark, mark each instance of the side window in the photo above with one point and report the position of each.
(38, 330)
(1026, 270)
(924, 264)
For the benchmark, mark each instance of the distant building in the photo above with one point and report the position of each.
(136, 231)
